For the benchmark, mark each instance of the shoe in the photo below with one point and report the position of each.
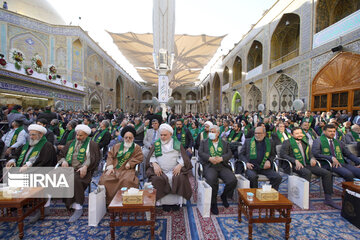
(76, 215)
(33, 218)
(214, 209)
(224, 200)
(175, 207)
(166, 208)
(331, 203)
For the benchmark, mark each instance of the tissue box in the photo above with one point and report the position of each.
(271, 195)
(133, 198)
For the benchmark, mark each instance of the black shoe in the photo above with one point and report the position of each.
(175, 207)
(214, 209)
(224, 200)
(166, 208)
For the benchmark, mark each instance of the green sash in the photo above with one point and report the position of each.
(320, 131)
(308, 119)
(297, 152)
(82, 151)
(356, 136)
(232, 138)
(215, 152)
(194, 132)
(311, 134)
(16, 134)
(253, 152)
(124, 156)
(138, 125)
(281, 137)
(340, 134)
(325, 146)
(183, 136)
(205, 135)
(246, 129)
(158, 151)
(70, 136)
(34, 152)
(14, 111)
(98, 136)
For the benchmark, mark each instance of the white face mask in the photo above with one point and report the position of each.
(212, 136)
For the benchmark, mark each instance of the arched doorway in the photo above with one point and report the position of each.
(237, 71)
(95, 103)
(254, 98)
(119, 92)
(226, 76)
(216, 98)
(337, 85)
(236, 102)
(283, 93)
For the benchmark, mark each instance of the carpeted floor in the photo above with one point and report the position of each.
(319, 222)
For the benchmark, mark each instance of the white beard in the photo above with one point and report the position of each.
(127, 144)
(165, 142)
(33, 142)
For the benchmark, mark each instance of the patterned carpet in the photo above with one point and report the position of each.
(319, 222)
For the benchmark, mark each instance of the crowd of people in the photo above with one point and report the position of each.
(163, 144)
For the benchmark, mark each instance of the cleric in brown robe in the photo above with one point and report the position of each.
(83, 155)
(120, 164)
(166, 160)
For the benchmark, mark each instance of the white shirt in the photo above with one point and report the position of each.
(21, 139)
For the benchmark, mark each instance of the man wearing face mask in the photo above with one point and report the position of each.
(258, 153)
(168, 166)
(298, 152)
(120, 164)
(214, 154)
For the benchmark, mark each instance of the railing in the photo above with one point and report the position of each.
(284, 58)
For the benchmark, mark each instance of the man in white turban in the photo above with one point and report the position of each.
(204, 134)
(37, 152)
(83, 155)
(168, 166)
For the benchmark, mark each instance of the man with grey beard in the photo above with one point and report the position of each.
(37, 152)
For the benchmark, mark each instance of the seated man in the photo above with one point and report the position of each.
(168, 166)
(297, 151)
(204, 134)
(50, 136)
(214, 154)
(68, 135)
(309, 133)
(327, 147)
(102, 136)
(353, 137)
(280, 135)
(183, 135)
(120, 165)
(151, 136)
(83, 155)
(37, 152)
(258, 153)
(13, 139)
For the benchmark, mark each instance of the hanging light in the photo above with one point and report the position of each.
(287, 23)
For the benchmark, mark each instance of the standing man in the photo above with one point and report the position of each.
(183, 135)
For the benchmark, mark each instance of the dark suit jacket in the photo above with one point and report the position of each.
(48, 116)
(189, 141)
(275, 138)
(317, 151)
(105, 140)
(287, 152)
(244, 154)
(204, 154)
